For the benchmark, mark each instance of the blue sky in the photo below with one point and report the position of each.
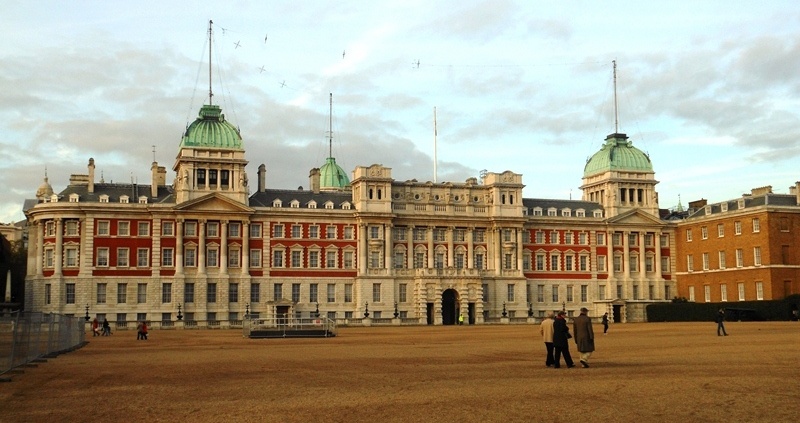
(710, 90)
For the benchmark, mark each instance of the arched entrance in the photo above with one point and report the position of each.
(450, 306)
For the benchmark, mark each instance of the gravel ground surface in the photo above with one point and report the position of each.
(647, 372)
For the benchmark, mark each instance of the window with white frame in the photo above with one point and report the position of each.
(277, 258)
(167, 228)
(143, 229)
(296, 259)
(330, 232)
(720, 230)
(277, 231)
(689, 263)
(707, 293)
(102, 257)
(331, 293)
(601, 264)
(167, 257)
(212, 230)
(122, 293)
(757, 256)
(190, 229)
(348, 259)
(123, 257)
(101, 293)
(554, 262)
(123, 228)
(705, 261)
(255, 257)
(212, 256)
(723, 292)
(759, 290)
(234, 257)
(739, 257)
(376, 292)
(141, 293)
(102, 227)
(756, 225)
(722, 259)
(688, 235)
(142, 257)
(255, 230)
(190, 257)
(737, 227)
(313, 259)
(296, 231)
(510, 290)
(554, 237)
(691, 293)
(313, 231)
(555, 293)
(740, 287)
(69, 294)
(330, 259)
(71, 227)
(540, 260)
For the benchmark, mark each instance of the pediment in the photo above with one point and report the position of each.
(635, 217)
(214, 203)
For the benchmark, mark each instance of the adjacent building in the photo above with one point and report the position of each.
(742, 249)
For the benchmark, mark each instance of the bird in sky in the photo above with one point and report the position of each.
(261, 69)
(343, 54)
(236, 44)
(265, 38)
(416, 64)
(283, 84)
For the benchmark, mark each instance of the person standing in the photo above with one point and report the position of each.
(95, 330)
(461, 319)
(139, 331)
(605, 323)
(106, 328)
(584, 336)
(560, 340)
(144, 330)
(546, 329)
(720, 322)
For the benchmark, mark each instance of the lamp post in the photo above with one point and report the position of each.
(504, 309)
(247, 310)
(316, 312)
(366, 310)
(563, 306)
(180, 316)
(87, 313)
(395, 310)
(530, 309)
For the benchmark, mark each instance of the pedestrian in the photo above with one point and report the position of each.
(139, 330)
(560, 341)
(144, 330)
(461, 319)
(106, 328)
(720, 322)
(546, 329)
(95, 329)
(584, 336)
(605, 323)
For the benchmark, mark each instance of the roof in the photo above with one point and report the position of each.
(546, 203)
(211, 130)
(115, 191)
(769, 199)
(617, 153)
(303, 197)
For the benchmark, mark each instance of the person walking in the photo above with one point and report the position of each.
(139, 331)
(546, 329)
(95, 330)
(584, 336)
(144, 330)
(720, 322)
(560, 341)
(605, 323)
(461, 319)
(106, 328)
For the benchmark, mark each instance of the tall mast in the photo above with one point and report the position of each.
(330, 127)
(210, 94)
(434, 144)
(616, 112)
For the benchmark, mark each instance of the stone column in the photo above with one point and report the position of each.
(410, 247)
(179, 247)
(497, 239)
(470, 248)
(59, 253)
(245, 262)
(39, 228)
(201, 247)
(449, 247)
(431, 252)
(519, 249)
(387, 246)
(363, 250)
(223, 248)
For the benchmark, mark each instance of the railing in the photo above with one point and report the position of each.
(26, 337)
(288, 326)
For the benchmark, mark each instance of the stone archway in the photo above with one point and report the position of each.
(450, 307)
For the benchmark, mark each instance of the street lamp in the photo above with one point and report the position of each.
(504, 309)
(180, 316)
(563, 306)
(366, 310)
(530, 309)
(395, 310)
(247, 310)
(87, 313)
(316, 312)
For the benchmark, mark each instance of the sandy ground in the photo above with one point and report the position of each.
(654, 372)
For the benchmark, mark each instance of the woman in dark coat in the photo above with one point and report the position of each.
(560, 337)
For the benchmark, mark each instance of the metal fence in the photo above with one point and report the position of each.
(26, 337)
(283, 327)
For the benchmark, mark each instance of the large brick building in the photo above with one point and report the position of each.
(741, 249)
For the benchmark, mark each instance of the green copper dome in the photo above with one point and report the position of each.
(617, 154)
(332, 176)
(211, 130)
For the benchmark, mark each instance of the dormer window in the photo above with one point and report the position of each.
(552, 212)
(54, 198)
(277, 203)
(294, 204)
(346, 206)
(104, 198)
(73, 198)
(708, 210)
(740, 203)
(597, 213)
(312, 204)
(124, 199)
(329, 205)
(580, 213)
(537, 211)
(566, 212)
(143, 200)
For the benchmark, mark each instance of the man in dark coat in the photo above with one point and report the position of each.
(560, 343)
(584, 336)
(720, 323)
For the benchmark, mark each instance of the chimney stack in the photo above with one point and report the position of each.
(313, 180)
(262, 178)
(91, 175)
